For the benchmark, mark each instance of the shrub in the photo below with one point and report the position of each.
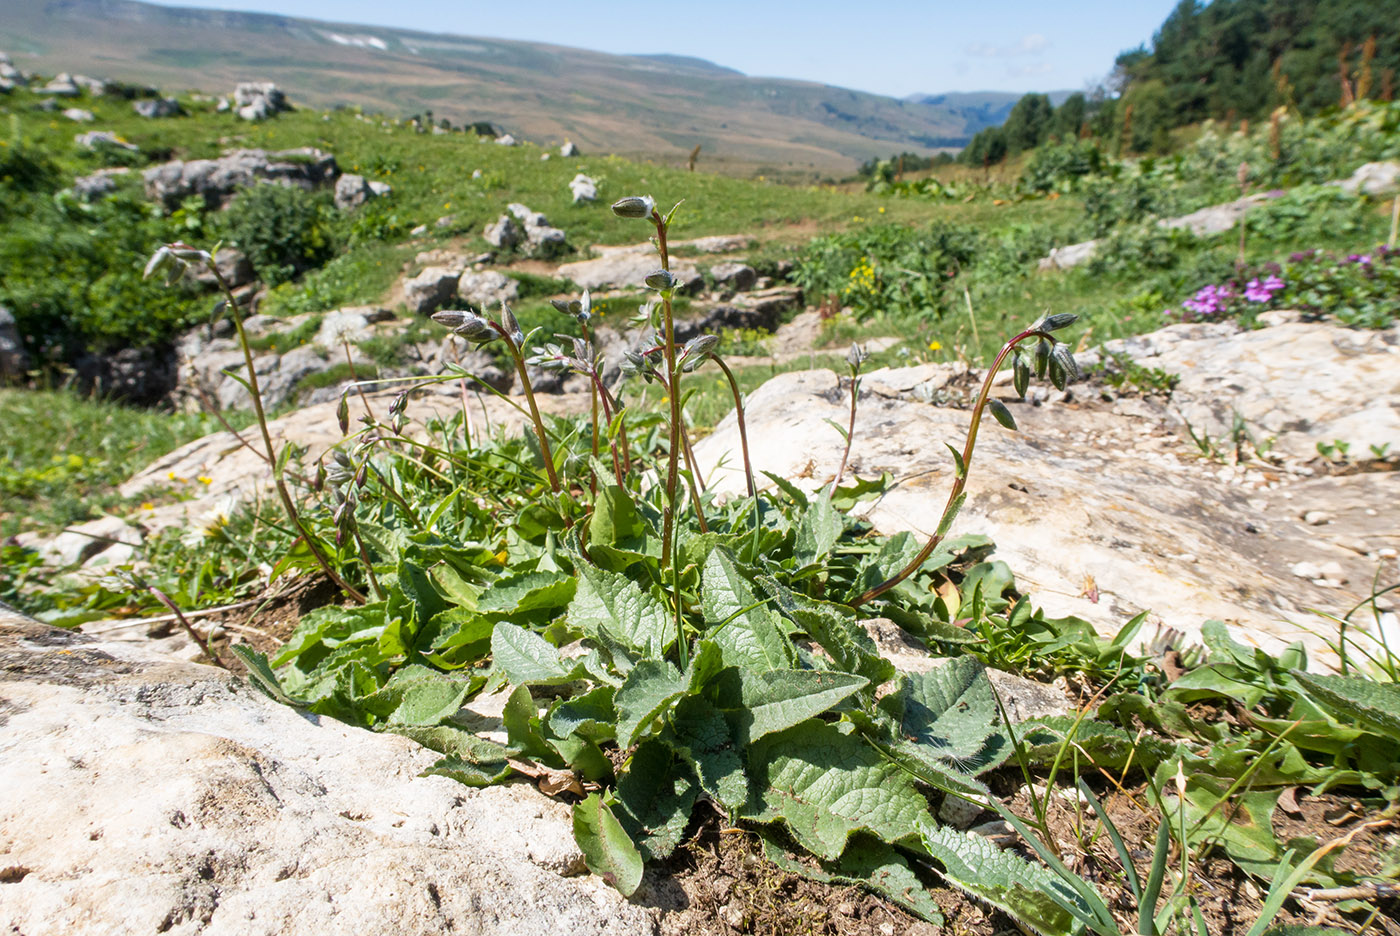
(285, 231)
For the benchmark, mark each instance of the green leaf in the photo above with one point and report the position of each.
(526, 658)
(470, 760)
(701, 735)
(649, 689)
(776, 700)
(747, 632)
(418, 696)
(328, 624)
(656, 796)
(827, 783)
(261, 675)
(527, 591)
(1001, 414)
(951, 711)
(591, 714)
(959, 468)
(607, 849)
(616, 520)
(616, 612)
(522, 723)
(788, 488)
(1097, 742)
(869, 864)
(1027, 892)
(1374, 704)
(817, 533)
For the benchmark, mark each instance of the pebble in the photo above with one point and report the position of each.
(1317, 517)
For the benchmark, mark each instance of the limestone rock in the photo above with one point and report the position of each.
(233, 265)
(583, 189)
(61, 86)
(1374, 178)
(504, 234)
(156, 107)
(351, 191)
(94, 139)
(78, 115)
(217, 180)
(147, 794)
(349, 324)
(541, 239)
(144, 376)
(487, 289)
(616, 267)
(568, 150)
(430, 290)
(98, 184)
(259, 100)
(733, 276)
(506, 140)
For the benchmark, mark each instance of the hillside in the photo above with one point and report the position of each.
(657, 106)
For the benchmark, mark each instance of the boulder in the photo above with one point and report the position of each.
(9, 73)
(99, 184)
(78, 115)
(14, 360)
(112, 538)
(504, 234)
(541, 239)
(259, 100)
(61, 86)
(144, 376)
(352, 191)
(349, 324)
(148, 794)
(1374, 178)
(156, 107)
(97, 87)
(506, 140)
(734, 276)
(430, 290)
(233, 265)
(568, 150)
(96, 139)
(625, 267)
(1102, 504)
(487, 288)
(583, 188)
(217, 180)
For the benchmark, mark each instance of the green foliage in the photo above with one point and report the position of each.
(286, 230)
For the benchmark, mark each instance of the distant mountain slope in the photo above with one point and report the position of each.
(654, 105)
(980, 109)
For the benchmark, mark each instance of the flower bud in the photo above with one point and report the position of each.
(342, 414)
(160, 261)
(583, 309)
(634, 206)
(856, 356)
(697, 351)
(469, 325)
(660, 280)
(512, 327)
(563, 305)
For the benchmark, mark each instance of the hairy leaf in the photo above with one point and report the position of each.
(527, 591)
(817, 533)
(1375, 704)
(649, 689)
(655, 797)
(779, 699)
(628, 621)
(607, 849)
(527, 658)
(951, 710)
(870, 864)
(747, 632)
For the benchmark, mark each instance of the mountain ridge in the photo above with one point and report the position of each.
(655, 105)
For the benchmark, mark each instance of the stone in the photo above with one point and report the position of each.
(14, 359)
(218, 180)
(504, 234)
(541, 239)
(1215, 219)
(568, 150)
(1156, 529)
(487, 289)
(97, 87)
(61, 86)
(351, 191)
(157, 107)
(233, 265)
(78, 115)
(80, 543)
(144, 376)
(259, 100)
(9, 73)
(98, 184)
(94, 139)
(620, 268)
(733, 276)
(341, 326)
(191, 802)
(583, 189)
(1374, 178)
(380, 189)
(430, 290)
(506, 140)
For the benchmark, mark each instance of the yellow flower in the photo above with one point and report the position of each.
(935, 346)
(147, 505)
(171, 476)
(882, 209)
(202, 479)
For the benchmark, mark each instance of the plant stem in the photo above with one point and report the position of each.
(739, 417)
(599, 392)
(960, 482)
(850, 434)
(668, 557)
(534, 410)
(283, 494)
(208, 645)
(1394, 222)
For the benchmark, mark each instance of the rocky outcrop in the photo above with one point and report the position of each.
(541, 239)
(733, 276)
(95, 139)
(1374, 178)
(99, 184)
(352, 191)
(62, 85)
(568, 150)
(487, 288)
(157, 107)
(583, 189)
(217, 180)
(233, 265)
(431, 289)
(628, 265)
(147, 794)
(144, 376)
(504, 233)
(259, 100)
(1104, 507)
(78, 115)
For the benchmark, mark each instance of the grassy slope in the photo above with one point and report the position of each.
(623, 104)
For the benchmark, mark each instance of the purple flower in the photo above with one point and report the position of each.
(1273, 284)
(1359, 258)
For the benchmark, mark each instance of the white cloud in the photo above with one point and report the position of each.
(1030, 44)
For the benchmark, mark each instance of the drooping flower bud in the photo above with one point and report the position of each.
(469, 325)
(583, 309)
(660, 280)
(634, 206)
(697, 351)
(856, 356)
(512, 327)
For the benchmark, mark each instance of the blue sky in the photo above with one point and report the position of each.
(894, 47)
